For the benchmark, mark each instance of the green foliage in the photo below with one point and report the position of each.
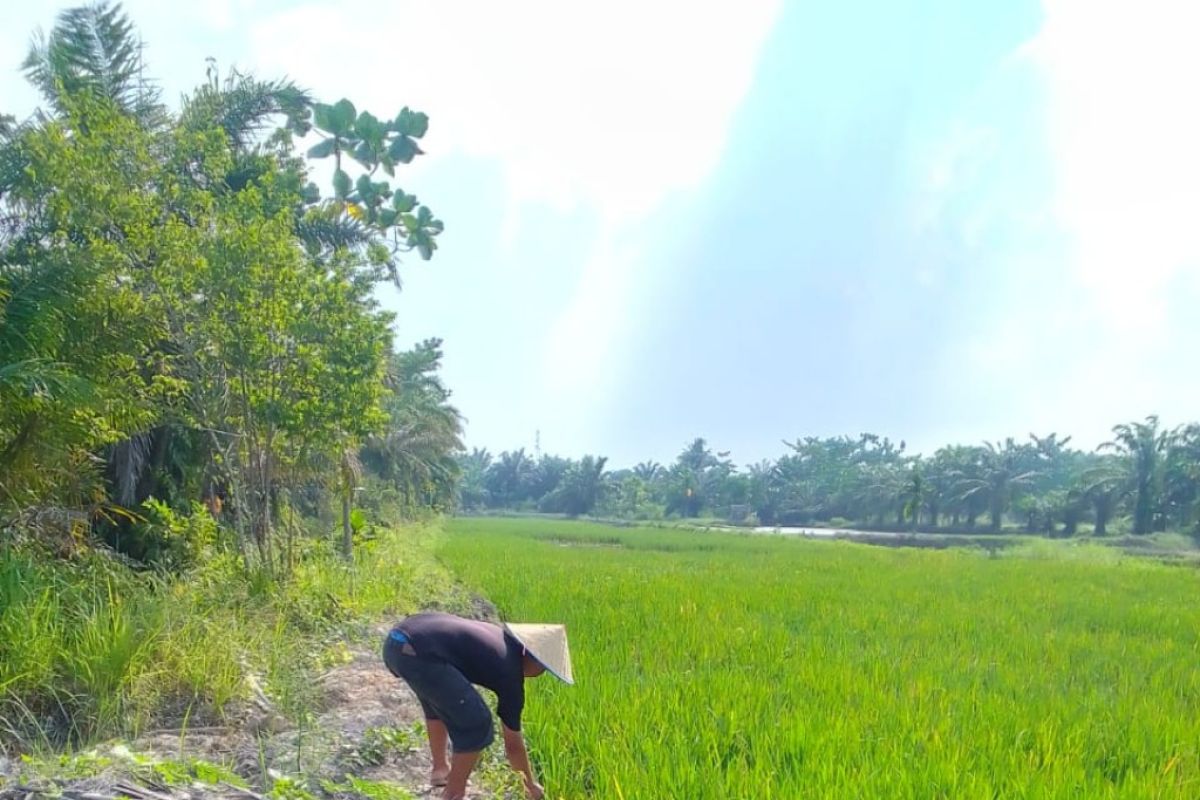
(379, 743)
(375, 145)
(367, 789)
(182, 317)
(284, 787)
(869, 482)
(797, 668)
(176, 540)
(414, 452)
(579, 489)
(90, 648)
(91, 49)
(1144, 445)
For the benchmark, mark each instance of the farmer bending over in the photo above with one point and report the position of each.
(440, 655)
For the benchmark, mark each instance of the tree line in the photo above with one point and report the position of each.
(1145, 479)
(187, 320)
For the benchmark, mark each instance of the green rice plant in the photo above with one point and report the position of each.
(732, 666)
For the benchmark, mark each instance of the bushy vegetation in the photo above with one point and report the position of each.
(721, 666)
(186, 317)
(197, 386)
(91, 647)
(1146, 479)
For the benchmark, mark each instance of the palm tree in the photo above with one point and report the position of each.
(93, 49)
(1143, 444)
(1181, 477)
(508, 478)
(243, 106)
(416, 451)
(914, 495)
(648, 471)
(1000, 481)
(473, 467)
(580, 487)
(1105, 486)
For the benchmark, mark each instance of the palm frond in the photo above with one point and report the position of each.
(243, 107)
(325, 231)
(128, 460)
(91, 48)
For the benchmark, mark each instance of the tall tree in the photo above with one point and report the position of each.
(1181, 477)
(1143, 445)
(93, 50)
(416, 449)
(169, 272)
(1001, 479)
(472, 488)
(580, 488)
(1105, 486)
(509, 477)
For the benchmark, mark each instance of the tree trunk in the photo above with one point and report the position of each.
(347, 531)
(1101, 520)
(264, 523)
(1142, 513)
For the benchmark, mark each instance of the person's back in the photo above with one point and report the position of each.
(440, 655)
(484, 653)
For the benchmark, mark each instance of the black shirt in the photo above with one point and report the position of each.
(484, 653)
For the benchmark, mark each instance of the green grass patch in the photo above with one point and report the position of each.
(724, 666)
(89, 648)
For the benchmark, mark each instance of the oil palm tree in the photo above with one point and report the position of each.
(93, 49)
(580, 488)
(1105, 486)
(999, 481)
(1143, 445)
(416, 451)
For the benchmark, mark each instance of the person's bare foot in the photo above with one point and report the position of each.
(438, 777)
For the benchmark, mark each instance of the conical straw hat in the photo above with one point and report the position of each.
(548, 646)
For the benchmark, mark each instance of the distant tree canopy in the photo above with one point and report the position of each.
(1148, 473)
(186, 316)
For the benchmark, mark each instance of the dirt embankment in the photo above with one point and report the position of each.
(363, 740)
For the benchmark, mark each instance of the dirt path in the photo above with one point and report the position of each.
(366, 728)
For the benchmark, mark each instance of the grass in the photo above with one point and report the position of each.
(91, 649)
(725, 666)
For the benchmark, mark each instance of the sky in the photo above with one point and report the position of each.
(937, 221)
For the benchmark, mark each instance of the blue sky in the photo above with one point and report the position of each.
(934, 220)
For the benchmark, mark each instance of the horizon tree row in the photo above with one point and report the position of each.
(1146, 478)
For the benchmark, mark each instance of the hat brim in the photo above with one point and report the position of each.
(550, 669)
(565, 678)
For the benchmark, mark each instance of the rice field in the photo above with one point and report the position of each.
(724, 666)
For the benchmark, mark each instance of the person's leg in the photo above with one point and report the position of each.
(461, 765)
(467, 722)
(453, 710)
(438, 739)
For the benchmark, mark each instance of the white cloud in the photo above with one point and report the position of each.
(607, 104)
(599, 108)
(1081, 208)
(1124, 128)
(608, 107)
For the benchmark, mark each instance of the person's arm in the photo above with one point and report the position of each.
(518, 758)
